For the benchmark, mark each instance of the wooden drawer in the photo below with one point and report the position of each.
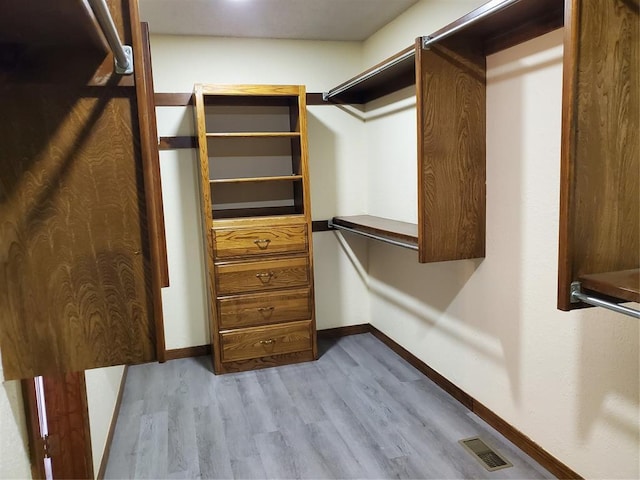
(259, 342)
(264, 308)
(256, 240)
(262, 276)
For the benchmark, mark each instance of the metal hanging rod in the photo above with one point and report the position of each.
(123, 54)
(397, 243)
(497, 7)
(578, 296)
(367, 75)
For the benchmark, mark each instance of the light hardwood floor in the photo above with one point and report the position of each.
(360, 411)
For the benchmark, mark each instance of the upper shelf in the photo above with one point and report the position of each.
(624, 284)
(496, 25)
(398, 233)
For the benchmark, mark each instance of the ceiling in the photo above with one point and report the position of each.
(300, 19)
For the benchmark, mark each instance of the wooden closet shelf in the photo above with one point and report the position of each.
(383, 229)
(510, 23)
(623, 284)
(253, 134)
(282, 178)
(496, 25)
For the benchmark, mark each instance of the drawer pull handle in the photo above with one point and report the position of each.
(265, 277)
(262, 243)
(266, 311)
(271, 341)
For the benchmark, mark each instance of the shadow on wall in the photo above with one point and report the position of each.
(322, 168)
(469, 309)
(609, 373)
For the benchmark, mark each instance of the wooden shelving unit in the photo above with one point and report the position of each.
(450, 76)
(257, 224)
(600, 214)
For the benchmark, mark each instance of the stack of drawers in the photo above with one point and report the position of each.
(263, 289)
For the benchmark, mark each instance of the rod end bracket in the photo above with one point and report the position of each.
(128, 68)
(574, 292)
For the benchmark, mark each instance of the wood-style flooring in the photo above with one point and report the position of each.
(360, 411)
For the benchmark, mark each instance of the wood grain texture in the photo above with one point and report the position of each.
(599, 216)
(265, 239)
(207, 220)
(76, 290)
(112, 426)
(262, 275)
(150, 158)
(75, 281)
(174, 99)
(188, 352)
(68, 422)
(151, 161)
(263, 309)
(34, 436)
(383, 227)
(180, 142)
(451, 152)
(517, 23)
(258, 249)
(624, 284)
(246, 343)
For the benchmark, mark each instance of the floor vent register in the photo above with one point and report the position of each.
(488, 457)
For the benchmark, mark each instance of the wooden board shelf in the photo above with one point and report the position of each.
(623, 284)
(282, 178)
(254, 135)
(383, 229)
(494, 26)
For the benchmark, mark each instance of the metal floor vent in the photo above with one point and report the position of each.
(488, 457)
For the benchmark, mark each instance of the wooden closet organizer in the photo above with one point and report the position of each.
(448, 69)
(257, 218)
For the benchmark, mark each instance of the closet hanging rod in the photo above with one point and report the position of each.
(380, 238)
(578, 296)
(453, 28)
(369, 74)
(123, 54)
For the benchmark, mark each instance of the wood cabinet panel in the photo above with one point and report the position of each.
(263, 275)
(258, 342)
(599, 208)
(451, 152)
(77, 282)
(260, 240)
(266, 308)
(75, 290)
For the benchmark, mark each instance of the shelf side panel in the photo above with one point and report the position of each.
(452, 150)
(600, 197)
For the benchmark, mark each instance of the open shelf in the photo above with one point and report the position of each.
(494, 26)
(390, 231)
(253, 135)
(623, 284)
(283, 178)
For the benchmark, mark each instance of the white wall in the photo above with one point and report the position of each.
(569, 381)
(103, 385)
(14, 453)
(336, 164)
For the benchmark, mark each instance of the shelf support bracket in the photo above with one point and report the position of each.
(578, 296)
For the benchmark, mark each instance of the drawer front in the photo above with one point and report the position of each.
(270, 239)
(257, 342)
(264, 308)
(262, 276)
